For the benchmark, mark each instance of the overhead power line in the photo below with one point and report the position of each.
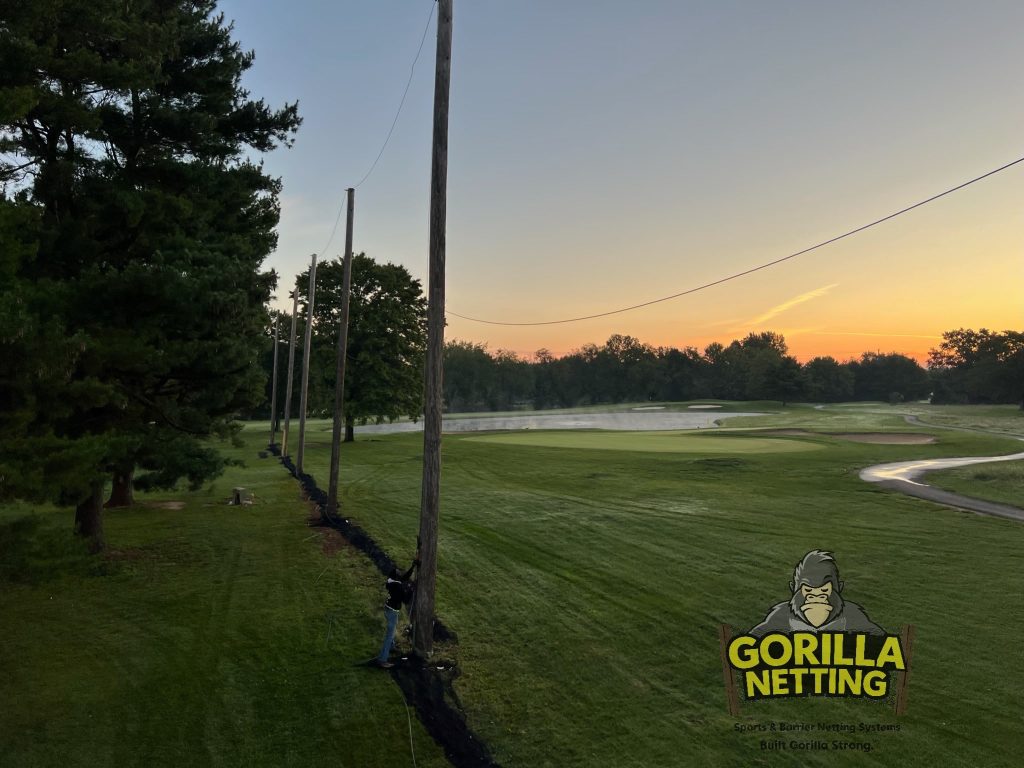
(752, 269)
(412, 71)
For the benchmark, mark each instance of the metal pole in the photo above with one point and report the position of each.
(339, 387)
(273, 388)
(304, 396)
(291, 370)
(423, 616)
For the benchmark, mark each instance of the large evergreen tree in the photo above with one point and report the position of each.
(125, 130)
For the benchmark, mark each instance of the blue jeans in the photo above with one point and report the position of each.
(389, 638)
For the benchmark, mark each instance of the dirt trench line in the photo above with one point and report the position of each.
(425, 684)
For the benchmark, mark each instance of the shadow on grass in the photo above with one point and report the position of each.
(33, 551)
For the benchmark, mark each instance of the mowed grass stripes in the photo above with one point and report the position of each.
(587, 586)
(210, 635)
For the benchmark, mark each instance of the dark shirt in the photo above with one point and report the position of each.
(396, 589)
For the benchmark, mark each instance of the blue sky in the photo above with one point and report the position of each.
(603, 154)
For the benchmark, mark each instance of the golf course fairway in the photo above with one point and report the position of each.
(654, 442)
(586, 588)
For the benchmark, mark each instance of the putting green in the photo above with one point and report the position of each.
(674, 441)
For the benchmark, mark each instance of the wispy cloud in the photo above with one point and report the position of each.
(787, 305)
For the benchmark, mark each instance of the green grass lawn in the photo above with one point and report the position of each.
(1003, 482)
(1006, 419)
(201, 639)
(586, 587)
(905, 417)
(665, 441)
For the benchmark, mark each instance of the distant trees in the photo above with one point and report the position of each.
(888, 377)
(514, 381)
(682, 374)
(133, 227)
(758, 367)
(827, 381)
(624, 369)
(469, 376)
(476, 380)
(978, 367)
(968, 367)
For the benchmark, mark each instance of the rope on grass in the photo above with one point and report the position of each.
(408, 717)
(329, 618)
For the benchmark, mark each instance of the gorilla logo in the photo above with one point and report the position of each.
(816, 604)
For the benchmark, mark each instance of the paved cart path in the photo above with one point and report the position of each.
(903, 476)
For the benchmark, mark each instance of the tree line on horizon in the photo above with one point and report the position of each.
(624, 369)
(968, 367)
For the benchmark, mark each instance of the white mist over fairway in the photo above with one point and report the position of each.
(640, 421)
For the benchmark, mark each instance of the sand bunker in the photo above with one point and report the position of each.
(703, 406)
(876, 438)
(649, 408)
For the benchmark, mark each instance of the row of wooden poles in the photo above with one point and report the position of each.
(339, 391)
(423, 606)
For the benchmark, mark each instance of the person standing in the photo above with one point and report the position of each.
(397, 586)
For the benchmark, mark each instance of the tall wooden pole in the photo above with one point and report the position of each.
(273, 388)
(423, 617)
(291, 370)
(339, 387)
(304, 393)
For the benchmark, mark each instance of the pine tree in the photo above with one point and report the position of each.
(125, 131)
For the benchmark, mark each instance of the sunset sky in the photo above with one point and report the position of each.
(606, 154)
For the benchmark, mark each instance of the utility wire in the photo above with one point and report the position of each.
(752, 269)
(405, 93)
(412, 71)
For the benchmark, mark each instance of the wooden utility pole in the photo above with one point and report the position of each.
(273, 389)
(291, 369)
(339, 387)
(304, 394)
(423, 610)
